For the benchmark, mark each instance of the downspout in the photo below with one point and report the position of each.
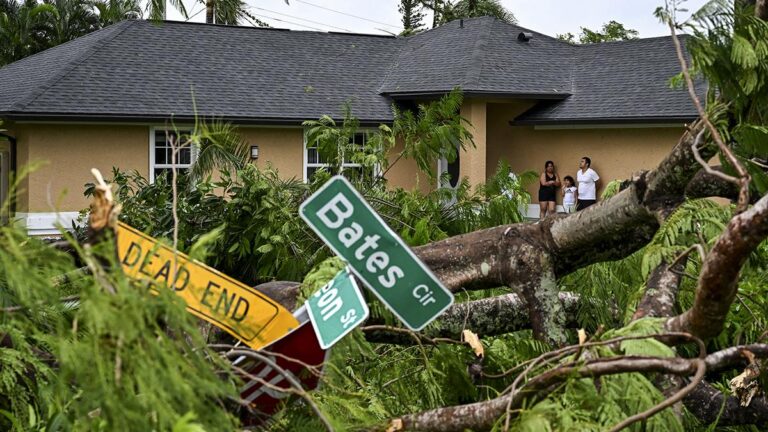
(11, 180)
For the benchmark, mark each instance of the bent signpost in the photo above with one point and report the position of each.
(211, 295)
(353, 230)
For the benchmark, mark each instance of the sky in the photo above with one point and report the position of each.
(381, 16)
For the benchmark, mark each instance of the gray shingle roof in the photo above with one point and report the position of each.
(143, 71)
(482, 55)
(138, 69)
(620, 81)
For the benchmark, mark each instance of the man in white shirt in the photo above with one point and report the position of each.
(587, 179)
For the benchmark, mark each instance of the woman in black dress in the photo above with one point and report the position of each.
(549, 181)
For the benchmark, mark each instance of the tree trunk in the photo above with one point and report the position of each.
(209, 12)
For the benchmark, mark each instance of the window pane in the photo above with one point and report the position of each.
(160, 138)
(162, 173)
(312, 155)
(453, 170)
(311, 172)
(185, 156)
(360, 138)
(160, 155)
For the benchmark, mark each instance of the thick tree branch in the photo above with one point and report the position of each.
(704, 185)
(733, 357)
(718, 280)
(531, 257)
(706, 402)
(482, 415)
(487, 317)
(661, 291)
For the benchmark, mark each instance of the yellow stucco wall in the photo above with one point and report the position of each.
(615, 152)
(404, 173)
(473, 160)
(68, 153)
(283, 148)
(71, 150)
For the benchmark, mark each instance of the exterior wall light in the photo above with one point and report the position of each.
(254, 152)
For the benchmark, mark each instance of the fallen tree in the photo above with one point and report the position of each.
(531, 259)
(648, 355)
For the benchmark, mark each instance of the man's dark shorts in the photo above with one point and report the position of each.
(582, 204)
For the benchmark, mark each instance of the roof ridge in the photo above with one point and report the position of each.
(23, 103)
(474, 73)
(519, 27)
(392, 64)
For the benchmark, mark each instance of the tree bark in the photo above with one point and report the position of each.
(660, 297)
(719, 276)
(706, 402)
(209, 12)
(490, 316)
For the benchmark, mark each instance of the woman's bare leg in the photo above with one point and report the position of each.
(543, 206)
(552, 207)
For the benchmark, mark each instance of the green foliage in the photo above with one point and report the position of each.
(412, 16)
(611, 31)
(30, 26)
(127, 360)
(596, 405)
(696, 221)
(449, 10)
(433, 131)
(218, 146)
(729, 48)
(338, 145)
(611, 189)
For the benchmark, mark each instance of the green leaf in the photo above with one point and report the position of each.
(742, 53)
(265, 248)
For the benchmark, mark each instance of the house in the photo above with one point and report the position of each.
(106, 99)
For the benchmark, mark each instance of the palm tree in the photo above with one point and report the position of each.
(22, 29)
(448, 10)
(69, 20)
(219, 146)
(114, 11)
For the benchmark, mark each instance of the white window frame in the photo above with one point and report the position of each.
(152, 165)
(306, 164)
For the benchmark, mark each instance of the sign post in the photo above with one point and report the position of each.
(336, 309)
(243, 312)
(378, 256)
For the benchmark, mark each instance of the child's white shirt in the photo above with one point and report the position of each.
(569, 195)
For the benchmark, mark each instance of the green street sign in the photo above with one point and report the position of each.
(378, 256)
(336, 309)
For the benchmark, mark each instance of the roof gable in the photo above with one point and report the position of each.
(481, 55)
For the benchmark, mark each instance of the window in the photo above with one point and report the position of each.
(161, 160)
(314, 161)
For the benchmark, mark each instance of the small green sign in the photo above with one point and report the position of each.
(336, 309)
(353, 230)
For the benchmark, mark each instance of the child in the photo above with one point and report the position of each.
(570, 195)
